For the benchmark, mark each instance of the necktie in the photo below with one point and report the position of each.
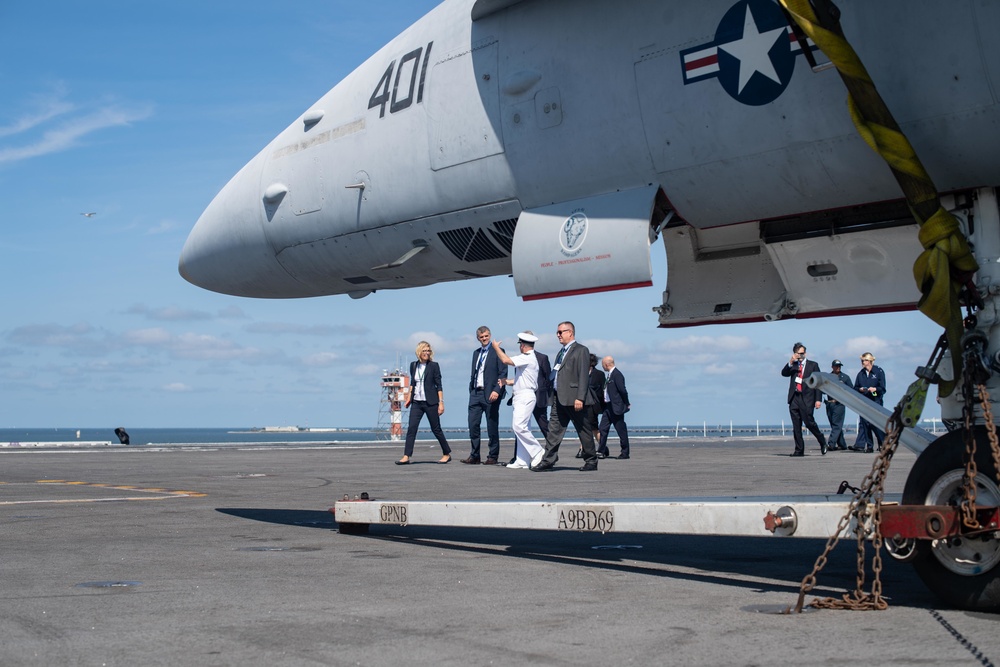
(555, 368)
(479, 365)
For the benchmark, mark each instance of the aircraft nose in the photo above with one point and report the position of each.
(228, 252)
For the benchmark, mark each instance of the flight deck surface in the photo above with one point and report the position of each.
(229, 555)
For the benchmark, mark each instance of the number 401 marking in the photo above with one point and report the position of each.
(381, 95)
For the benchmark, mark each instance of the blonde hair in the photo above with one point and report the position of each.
(867, 356)
(424, 345)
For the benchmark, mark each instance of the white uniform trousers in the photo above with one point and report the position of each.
(526, 446)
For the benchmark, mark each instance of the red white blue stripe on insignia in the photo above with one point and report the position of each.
(702, 62)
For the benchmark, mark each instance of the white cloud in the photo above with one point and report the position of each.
(79, 338)
(281, 328)
(321, 359)
(48, 109)
(163, 227)
(168, 313)
(855, 347)
(618, 349)
(711, 344)
(191, 346)
(155, 337)
(366, 370)
(203, 347)
(232, 313)
(55, 335)
(439, 343)
(177, 387)
(69, 132)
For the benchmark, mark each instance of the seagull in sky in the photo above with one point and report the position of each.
(89, 215)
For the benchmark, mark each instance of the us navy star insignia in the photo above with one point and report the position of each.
(753, 50)
(752, 56)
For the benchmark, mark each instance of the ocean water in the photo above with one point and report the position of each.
(12, 437)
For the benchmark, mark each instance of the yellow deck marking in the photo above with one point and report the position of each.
(164, 493)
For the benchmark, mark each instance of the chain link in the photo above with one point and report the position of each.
(865, 507)
(866, 510)
(991, 431)
(968, 504)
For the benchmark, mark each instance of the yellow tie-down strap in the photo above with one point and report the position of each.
(946, 264)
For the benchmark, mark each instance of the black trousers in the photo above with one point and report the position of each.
(541, 415)
(417, 410)
(559, 419)
(479, 403)
(609, 419)
(803, 414)
(868, 433)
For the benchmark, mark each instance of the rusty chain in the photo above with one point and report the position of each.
(968, 505)
(976, 372)
(866, 510)
(865, 507)
(991, 430)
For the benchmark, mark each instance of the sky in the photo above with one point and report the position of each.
(141, 111)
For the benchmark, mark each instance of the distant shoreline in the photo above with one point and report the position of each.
(290, 436)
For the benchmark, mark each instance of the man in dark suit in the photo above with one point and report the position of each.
(615, 406)
(570, 372)
(595, 406)
(541, 411)
(802, 400)
(485, 392)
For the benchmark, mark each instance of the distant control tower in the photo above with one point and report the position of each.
(395, 387)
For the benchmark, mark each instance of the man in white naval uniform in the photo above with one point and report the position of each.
(527, 450)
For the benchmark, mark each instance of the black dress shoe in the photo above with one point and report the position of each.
(856, 449)
(797, 454)
(579, 453)
(473, 460)
(602, 455)
(622, 456)
(403, 463)
(542, 465)
(822, 449)
(513, 460)
(587, 467)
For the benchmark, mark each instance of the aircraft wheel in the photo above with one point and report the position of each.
(965, 572)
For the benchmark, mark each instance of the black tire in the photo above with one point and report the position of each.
(964, 573)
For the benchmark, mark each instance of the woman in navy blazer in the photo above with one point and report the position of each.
(426, 397)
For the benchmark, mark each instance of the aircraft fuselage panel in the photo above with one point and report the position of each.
(527, 106)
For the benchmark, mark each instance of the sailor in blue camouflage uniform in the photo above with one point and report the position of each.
(870, 382)
(835, 410)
